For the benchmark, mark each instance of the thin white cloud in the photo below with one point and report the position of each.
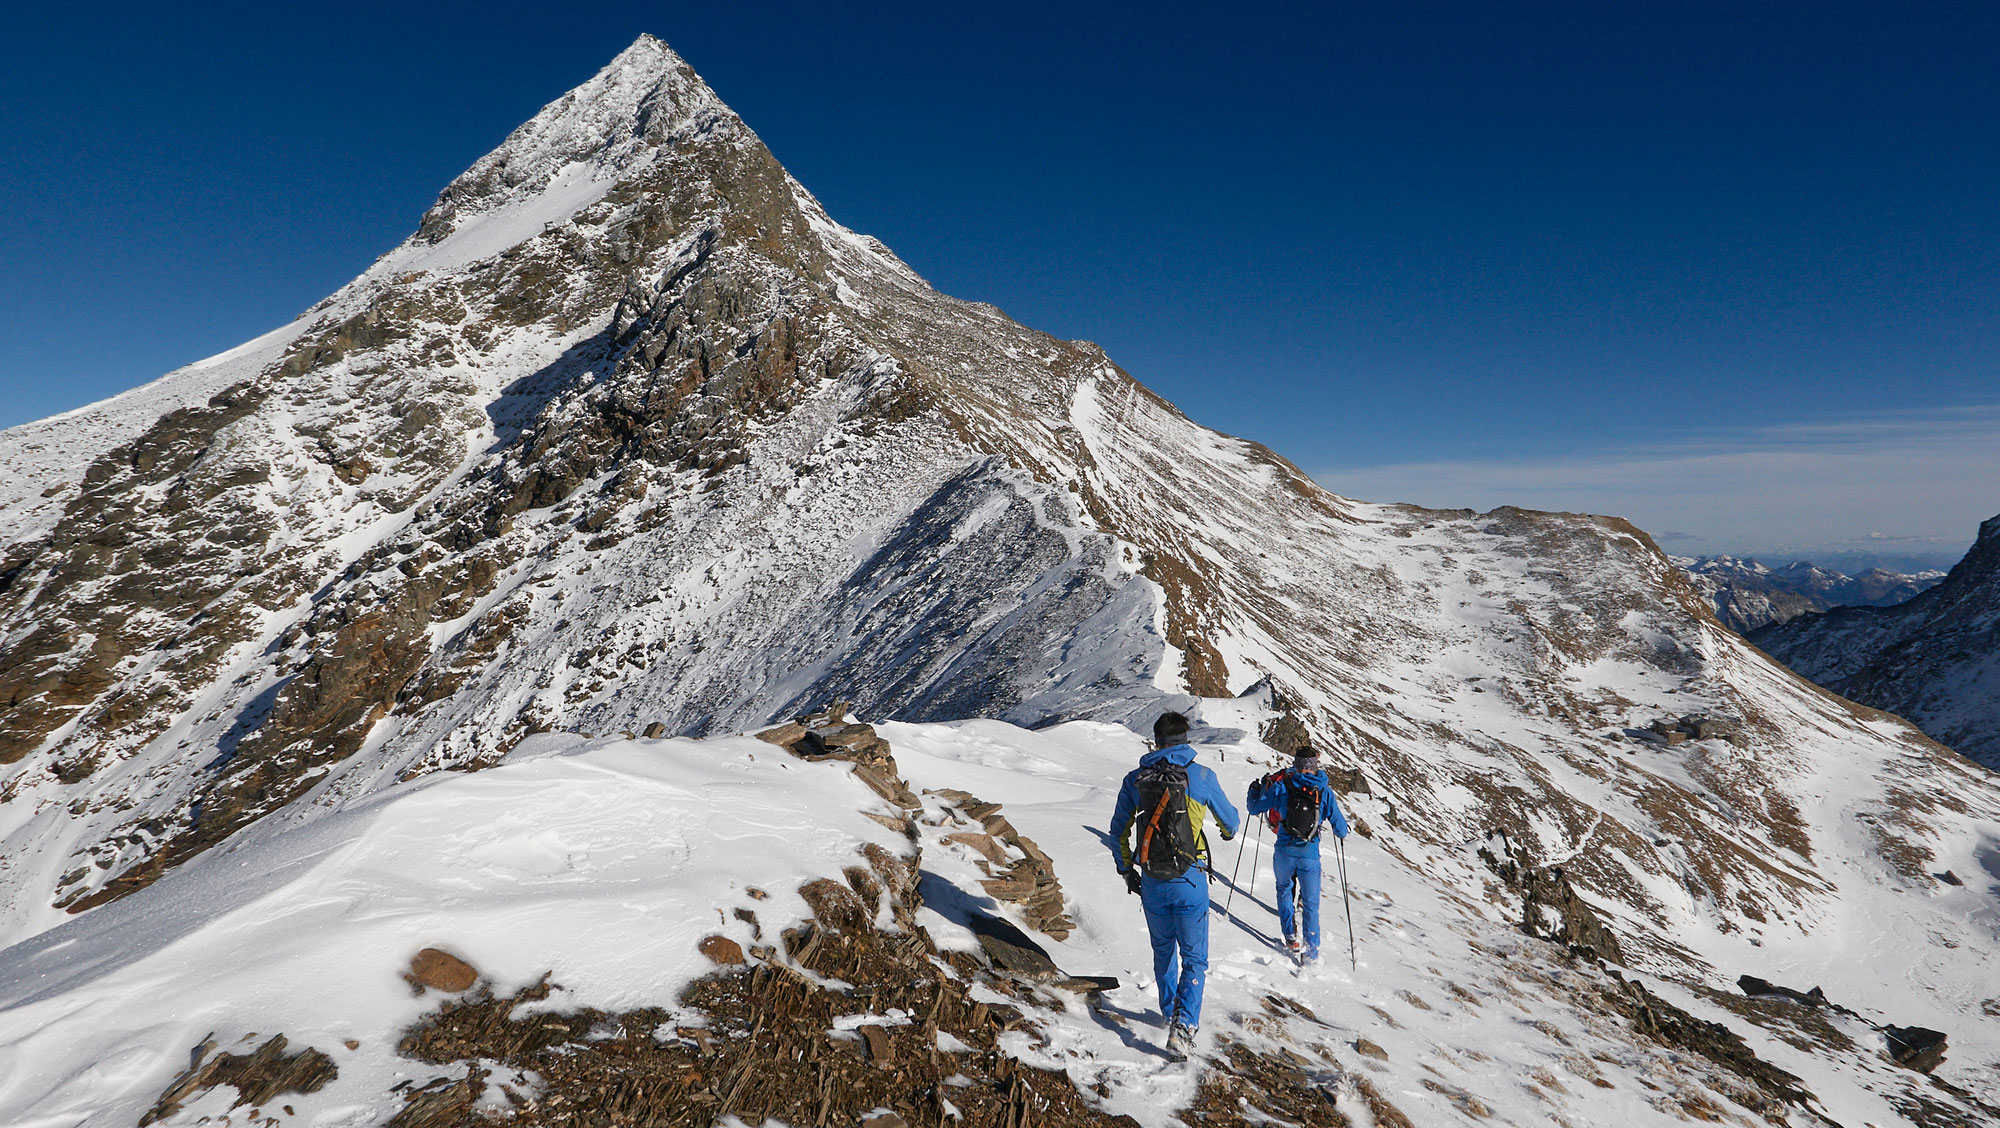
(1911, 483)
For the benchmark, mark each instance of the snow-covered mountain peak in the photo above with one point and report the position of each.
(600, 132)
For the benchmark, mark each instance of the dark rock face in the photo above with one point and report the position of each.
(1915, 1047)
(1934, 660)
(1550, 907)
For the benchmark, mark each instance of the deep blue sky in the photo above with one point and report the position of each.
(1463, 254)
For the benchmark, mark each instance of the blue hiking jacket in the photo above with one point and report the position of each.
(1205, 797)
(1276, 796)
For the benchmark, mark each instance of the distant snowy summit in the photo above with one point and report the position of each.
(1748, 593)
(1934, 659)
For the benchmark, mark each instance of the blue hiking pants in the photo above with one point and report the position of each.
(1177, 918)
(1298, 877)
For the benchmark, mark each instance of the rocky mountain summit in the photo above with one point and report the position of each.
(631, 437)
(1748, 593)
(1934, 659)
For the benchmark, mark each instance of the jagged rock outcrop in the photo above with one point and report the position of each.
(259, 1077)
(1934, 659)
(1023, 875)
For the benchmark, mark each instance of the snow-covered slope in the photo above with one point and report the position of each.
(1748, 593)
(1934, 659)
(631, 433)
(600, 866)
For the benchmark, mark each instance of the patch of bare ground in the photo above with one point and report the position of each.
(1927, 1112)
(1723, 866)
(764, 1045)
(1261, 1088)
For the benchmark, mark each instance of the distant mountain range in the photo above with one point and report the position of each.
(1934, 659)
(1749, 594)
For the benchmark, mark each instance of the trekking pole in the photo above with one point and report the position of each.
(1340, 853)
(1254, 850)
(1231, 899)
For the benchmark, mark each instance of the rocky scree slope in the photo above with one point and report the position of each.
(1934, 659)
(1748, 594)
(630, 433)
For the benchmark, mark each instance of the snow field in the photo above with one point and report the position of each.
(1473, 1015)
(602, 863)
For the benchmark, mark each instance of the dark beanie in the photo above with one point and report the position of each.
(1169, 730)
(1305, 759)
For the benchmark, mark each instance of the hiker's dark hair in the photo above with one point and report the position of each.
(1169, 730)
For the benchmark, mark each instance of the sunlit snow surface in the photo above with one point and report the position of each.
(603, 862)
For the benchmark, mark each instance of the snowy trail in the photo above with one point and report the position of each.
(1478, 1023)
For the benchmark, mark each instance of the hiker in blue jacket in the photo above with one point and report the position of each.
(1156, 835)
(1296, 856)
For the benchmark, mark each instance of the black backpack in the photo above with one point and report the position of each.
(1302, 806)
(1166, 834)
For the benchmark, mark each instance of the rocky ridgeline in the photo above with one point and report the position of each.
(1748, 594)
(1934, 659)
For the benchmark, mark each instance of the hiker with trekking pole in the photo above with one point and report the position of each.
(1297, 802)
(1161, 806)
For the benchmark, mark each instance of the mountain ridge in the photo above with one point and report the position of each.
(690, 454)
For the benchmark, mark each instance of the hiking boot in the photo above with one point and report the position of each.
(1292, 945)
(1180, 1040)
(1309, 956)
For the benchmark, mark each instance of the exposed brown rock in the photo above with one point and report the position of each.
(442, 971)
(985, 845)
(1286, 733)
(1029, 882)
(721, 950)
(785, 735)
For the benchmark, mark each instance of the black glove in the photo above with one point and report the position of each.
(1131, 880)
(1227, 834)
(1256, 788)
